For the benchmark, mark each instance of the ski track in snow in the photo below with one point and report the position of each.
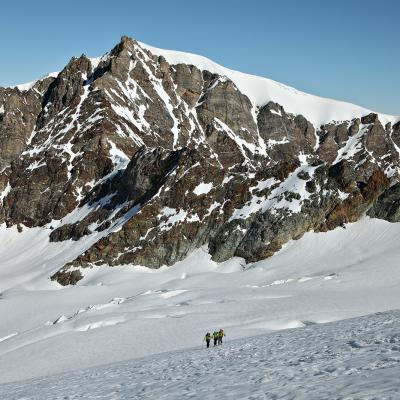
(350, 359)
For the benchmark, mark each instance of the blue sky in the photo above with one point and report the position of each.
(348, 50)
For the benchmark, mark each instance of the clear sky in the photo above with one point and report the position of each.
(348, 50)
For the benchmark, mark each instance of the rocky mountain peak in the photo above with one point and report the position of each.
(144, 155)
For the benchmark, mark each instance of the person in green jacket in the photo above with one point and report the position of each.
(215, 337)
(207, 339)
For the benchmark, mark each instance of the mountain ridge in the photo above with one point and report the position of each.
(204, 63)
(151, 160)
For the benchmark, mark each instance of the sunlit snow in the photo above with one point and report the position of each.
(322, 277)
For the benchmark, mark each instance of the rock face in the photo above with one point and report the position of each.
(387, 206)
(154, 160)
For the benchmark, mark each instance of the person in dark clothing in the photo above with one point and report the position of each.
(215, 337)
(207, 338)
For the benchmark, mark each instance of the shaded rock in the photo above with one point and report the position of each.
(66, 278)
(286, 136)
(387, 206)
(369, 119)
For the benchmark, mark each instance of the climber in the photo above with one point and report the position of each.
(215, 337)
(207, 339)
(221, 334)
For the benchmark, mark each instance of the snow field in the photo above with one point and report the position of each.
(351, 359)
(127, 312)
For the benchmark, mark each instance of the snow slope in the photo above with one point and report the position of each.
(29, 85)
(121, 313)
(351, 359)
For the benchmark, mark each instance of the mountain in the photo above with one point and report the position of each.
(356, 358)
(144, 155)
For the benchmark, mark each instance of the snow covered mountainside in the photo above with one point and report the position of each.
(351, 359)
(144, 155)
(148, 196)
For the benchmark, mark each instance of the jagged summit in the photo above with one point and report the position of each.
(143, 155)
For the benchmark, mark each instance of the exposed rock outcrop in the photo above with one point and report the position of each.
(387, 206)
